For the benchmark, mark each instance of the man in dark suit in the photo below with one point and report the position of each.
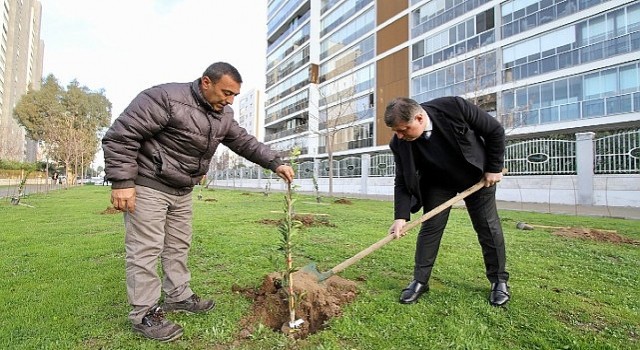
(443, 147)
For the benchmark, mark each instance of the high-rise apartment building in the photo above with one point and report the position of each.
(540, 66)
(21, 54)
(249, 113)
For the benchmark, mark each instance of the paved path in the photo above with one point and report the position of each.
(581, 210)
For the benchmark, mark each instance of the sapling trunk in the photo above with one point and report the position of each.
(288, 229)
(292, 300)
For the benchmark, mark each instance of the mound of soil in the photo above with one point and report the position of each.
(594, 234)
(343, 201)
(110, 210)
(318, 302)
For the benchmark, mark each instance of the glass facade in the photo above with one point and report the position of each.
(348, 59)
(342, 13)
(321, 63)
(343, 89)
(600, 93)
(606, 35)
(348, 33)
(287, 107)
(288, 46)
(435, 13)
(457, 40)
(521, 15)
(472, 76)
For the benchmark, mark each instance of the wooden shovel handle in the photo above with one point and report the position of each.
(428, 215)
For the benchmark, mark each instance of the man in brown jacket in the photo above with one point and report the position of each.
(155, 152)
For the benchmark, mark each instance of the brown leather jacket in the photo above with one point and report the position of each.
(166, 137)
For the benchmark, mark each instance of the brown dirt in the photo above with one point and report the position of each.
(110, 210)
(319, 302)
(307, 220)
(210, 200)
(343, 201)
(594, 234)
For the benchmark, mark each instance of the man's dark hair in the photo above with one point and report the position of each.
(401, 109)
(218, 69)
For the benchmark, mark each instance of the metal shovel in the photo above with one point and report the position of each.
(313, 270)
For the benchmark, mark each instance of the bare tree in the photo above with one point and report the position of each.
(337, 117)
(481, 75)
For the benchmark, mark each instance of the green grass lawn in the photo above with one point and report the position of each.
(63, 282)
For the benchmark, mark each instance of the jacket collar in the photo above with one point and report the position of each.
(197, 94)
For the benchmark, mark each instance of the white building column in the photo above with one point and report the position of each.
(584, 167)
(365, 164)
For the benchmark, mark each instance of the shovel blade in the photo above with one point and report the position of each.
(523, 226)
(312, 269)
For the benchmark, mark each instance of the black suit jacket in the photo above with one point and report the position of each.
(479, 136)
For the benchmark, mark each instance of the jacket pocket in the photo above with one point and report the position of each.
(461, 131)
(158, 158)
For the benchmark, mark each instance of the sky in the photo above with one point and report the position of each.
(126, 46)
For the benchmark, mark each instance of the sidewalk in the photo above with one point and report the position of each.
(582, 210)
(578, 210)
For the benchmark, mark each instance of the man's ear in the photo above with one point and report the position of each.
(206, 81)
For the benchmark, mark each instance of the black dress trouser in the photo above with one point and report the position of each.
(483, 212)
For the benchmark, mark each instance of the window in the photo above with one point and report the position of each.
(561, 91)
(629, 78)
(546, 91)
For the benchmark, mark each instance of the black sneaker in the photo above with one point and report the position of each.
(155, 326)
(192, 304)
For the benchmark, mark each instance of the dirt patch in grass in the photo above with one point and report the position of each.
(319, 302)
(307, 220)
(595, 235)
(343, 201)
(210, 200)
(110, 210)
(594, 324)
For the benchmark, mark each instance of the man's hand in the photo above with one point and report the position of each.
(491, 179)
(124, 199)
(285, 172)
(396, 228)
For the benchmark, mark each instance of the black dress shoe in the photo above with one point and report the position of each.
(413, 291)
(499, 294)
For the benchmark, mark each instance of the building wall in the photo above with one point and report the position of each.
(541, 67)
(391, 81)
(502, 54)
(22, 69)
(388, 9)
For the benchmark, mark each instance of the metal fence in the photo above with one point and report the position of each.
(382, 165)
(613, 154)
(618, 154)
(541, 157)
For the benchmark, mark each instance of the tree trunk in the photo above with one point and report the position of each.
(330, 157)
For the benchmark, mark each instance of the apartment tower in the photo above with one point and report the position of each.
(21, 53)
(540, 66)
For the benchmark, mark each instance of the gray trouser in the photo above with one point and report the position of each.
(160, 227)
